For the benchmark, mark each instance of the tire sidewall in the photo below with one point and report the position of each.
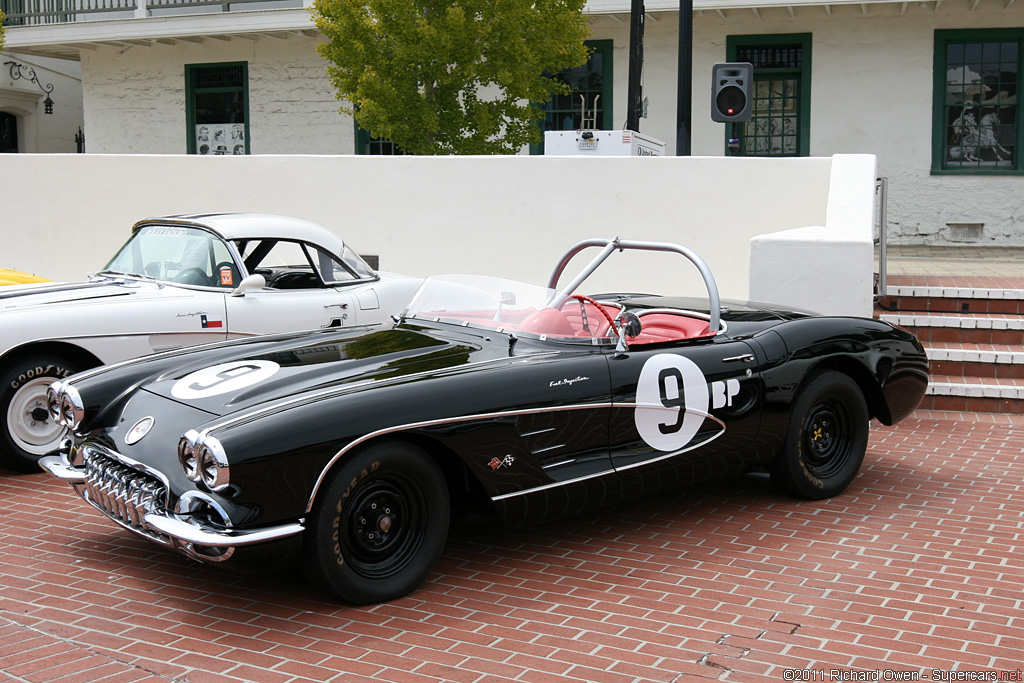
(326, 560)
(789, 469)
(17, 375)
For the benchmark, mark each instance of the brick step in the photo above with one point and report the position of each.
(974, 395)
(937, 327)
(976, 360)
(970, 300)
(973, 334)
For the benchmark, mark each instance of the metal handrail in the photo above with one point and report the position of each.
(609, 245)
(882, 186)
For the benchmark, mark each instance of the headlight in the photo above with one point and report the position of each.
(213, 464)
(187, 455)
(203, 459)
(72, 410)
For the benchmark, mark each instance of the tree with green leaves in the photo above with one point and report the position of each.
(450, 76)
(2, 29)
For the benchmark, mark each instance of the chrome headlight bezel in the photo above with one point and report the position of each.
(204, 460)
(70, 407)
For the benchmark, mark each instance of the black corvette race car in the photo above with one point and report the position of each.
(349, 448)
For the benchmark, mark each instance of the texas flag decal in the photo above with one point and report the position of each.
(210, 322)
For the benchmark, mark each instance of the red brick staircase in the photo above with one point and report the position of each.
(975, 342)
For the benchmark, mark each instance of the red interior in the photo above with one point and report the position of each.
(657, 327)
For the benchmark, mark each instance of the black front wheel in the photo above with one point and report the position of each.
(827, 438)
(379, 526)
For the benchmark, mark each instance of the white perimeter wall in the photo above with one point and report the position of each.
(511, 216)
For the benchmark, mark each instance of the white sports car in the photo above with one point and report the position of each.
(178, 281)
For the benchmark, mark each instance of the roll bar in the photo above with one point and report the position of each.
(610, 245)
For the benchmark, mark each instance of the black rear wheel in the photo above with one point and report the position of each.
(379, 526)
(827, 438)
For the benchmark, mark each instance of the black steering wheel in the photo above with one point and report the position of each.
(583, 312)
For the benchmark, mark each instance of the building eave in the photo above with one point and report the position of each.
(67, 40)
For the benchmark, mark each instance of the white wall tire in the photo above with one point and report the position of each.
(28, 431)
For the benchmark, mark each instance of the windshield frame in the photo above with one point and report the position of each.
(501, 306)
(133, 242)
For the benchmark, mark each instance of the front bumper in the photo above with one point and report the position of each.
(136, 499)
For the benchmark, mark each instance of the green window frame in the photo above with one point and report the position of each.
(593, 82)
(976, 120)
(781, 121)
(217, 108)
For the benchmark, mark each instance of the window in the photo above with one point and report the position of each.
(367, 144)
(591, 86)
(780, 126)
(217, 108)
(296, 265)
(976, 123)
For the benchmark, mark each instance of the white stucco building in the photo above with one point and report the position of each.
(40, 104)
(930, 88)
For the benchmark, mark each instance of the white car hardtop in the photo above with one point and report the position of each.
(178, 281)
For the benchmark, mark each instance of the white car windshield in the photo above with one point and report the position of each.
(179, 254)
(508, 306)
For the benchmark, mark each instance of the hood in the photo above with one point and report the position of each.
(309, 365)
(21, 297)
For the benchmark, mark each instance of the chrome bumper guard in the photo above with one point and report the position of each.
(165, 527)
(190, 534)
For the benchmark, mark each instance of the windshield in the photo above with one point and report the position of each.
(508, 306)
(178, 254)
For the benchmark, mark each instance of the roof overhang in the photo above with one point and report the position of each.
(66, 41)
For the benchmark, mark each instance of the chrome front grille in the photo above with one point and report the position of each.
(124, 493)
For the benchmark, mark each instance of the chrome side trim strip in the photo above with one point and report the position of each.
(553, 409)
(556, 484)
(441, 421)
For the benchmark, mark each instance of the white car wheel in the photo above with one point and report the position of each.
(28, 431)
(32, 428)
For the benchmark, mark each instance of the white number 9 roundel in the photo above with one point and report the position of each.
(672, 400)
(223, 378)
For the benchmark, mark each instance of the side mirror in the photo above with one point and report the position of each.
(629, 326)
(254, 281)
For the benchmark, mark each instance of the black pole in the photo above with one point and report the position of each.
(684, 88)
(634, 90)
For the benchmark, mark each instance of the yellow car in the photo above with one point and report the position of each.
(16, 277)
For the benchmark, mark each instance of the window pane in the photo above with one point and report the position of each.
(774, 128)
(980, 109)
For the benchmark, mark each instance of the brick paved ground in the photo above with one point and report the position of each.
(918, 567)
